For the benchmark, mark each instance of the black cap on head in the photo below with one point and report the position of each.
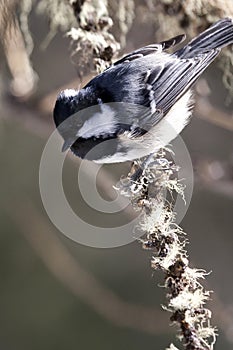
(64, 107)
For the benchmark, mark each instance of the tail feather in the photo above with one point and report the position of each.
(217, 36)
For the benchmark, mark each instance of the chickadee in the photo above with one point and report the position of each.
(141, 102)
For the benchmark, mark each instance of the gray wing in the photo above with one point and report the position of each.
(157, 82)
(152, 49)
(154, 80)
(165, 84)
(175, 79)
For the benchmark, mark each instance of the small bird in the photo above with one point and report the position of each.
(141, 102)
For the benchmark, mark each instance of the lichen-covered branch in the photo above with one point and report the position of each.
(147, 189)
(93, 45)
(87, 23)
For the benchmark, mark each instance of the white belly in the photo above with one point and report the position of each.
(159, 136)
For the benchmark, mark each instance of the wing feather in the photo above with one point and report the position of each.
(184, 74)
(152, 49)
(170, 84)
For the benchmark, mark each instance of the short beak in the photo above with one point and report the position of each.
(66, 145)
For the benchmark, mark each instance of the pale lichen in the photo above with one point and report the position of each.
(172, 347)
(123, 14)
(148, 189)
(87, 23)
(59, 14)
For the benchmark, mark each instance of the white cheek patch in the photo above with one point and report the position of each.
(100, 124)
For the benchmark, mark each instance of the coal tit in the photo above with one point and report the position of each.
(126, 112)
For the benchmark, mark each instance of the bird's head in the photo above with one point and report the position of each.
(65, 106)
(70, 113)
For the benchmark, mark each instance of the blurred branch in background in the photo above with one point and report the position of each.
(87, 24)
(60, 16)
(206, 111)
(7, 16)
(123, 13)
(80, 282)
(24, 78)
(216, 176)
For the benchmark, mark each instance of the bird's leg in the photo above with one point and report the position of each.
(160, 162)
(138, 173)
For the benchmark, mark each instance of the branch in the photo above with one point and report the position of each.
(186, 296)
(24, 79)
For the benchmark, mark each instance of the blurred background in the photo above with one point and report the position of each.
(55, 293)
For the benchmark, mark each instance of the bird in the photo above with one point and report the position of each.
(141, 102)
